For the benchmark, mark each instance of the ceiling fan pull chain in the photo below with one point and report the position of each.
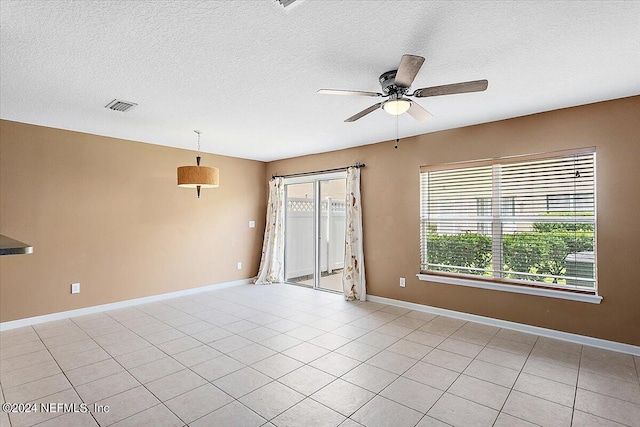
(397, 136)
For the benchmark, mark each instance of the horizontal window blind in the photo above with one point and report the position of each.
(530, 221)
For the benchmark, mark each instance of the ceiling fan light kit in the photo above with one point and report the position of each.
(396, 107)
(198, 176)
(395, 85)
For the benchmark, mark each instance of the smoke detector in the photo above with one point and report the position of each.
(119, 105)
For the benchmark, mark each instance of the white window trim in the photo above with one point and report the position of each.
(573, 296)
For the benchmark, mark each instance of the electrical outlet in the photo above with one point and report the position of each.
(402, 282)
(239, 266)
(75, 288)
(252, 224)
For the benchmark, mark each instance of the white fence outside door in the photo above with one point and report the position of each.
(299, 259)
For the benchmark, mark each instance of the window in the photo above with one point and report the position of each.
(527, 221)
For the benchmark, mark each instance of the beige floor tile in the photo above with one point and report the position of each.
(582, 419)
(24, 361)
(216, 368)
(548, 355)
(75, 347)
(462, 348)
(472, 336)
(479, 391)
(343, 397)
(546, 389)
(335, 364)
(156, 369)
(329, 341)
(280, 342)
(506, 420)
(123, 347)
(517, 336)
(28, 419)
(196, 355)
(70, 419)
(179, 345)
(377, 339)
(480, 328)
(258, 334)
(68, 338)
(175, 384)
(21, 349)
(271, 400)
(232, 415)
(277, 365)
(307, 380)
(350, 331)
(30, 373)
(198, 402)
(502, 358)
(394, 330)
(413, 394)
(510, 346)
(439, 328)
(493, 373)
(608, 407)
(409, 322)
(461, 412)
(425, 338)
(609, 386)
(382, 412)
(445, 359)
(427, 421)
(536, 410)
(369, 377)
(410, 349)
(241, 382)
(305, 333)
(392, 362)
(77, 360)
(622, 371)
(309, 413)
(431, 375)
(558, 345)
(212, 334)
(124, 405)
(106, 387)
(34, 390)
(140, 357)
(305, 352)
(358, 351)
(551, 371)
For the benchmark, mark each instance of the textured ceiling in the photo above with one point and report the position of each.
(246, 72)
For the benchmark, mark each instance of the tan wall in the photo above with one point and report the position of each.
(107, 213)
(390, 189)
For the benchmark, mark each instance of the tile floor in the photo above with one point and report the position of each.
(289, 356)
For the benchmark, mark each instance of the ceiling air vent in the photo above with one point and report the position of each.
(119, 105)
(289, 3)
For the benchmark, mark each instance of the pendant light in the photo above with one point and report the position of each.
(198, 176)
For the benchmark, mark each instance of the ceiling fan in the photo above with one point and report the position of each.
(395, 85)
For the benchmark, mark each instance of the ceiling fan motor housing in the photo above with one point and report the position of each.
(388, 84)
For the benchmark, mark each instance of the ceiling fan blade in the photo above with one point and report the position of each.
(363, 113)
(408, 69)
(347, 92)
(474, 86)
(417, 112)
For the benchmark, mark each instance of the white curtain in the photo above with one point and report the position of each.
(272, 262)
(353, 279)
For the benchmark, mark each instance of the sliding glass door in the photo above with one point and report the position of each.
(315, 231)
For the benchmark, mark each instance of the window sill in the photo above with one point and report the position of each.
(593, 299)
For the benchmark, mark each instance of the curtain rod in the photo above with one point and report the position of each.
(292, 175)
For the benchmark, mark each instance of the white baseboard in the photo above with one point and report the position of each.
(13, 324)
(521, 327)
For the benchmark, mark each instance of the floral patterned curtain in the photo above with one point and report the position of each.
(272, 262)
(353, 280)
